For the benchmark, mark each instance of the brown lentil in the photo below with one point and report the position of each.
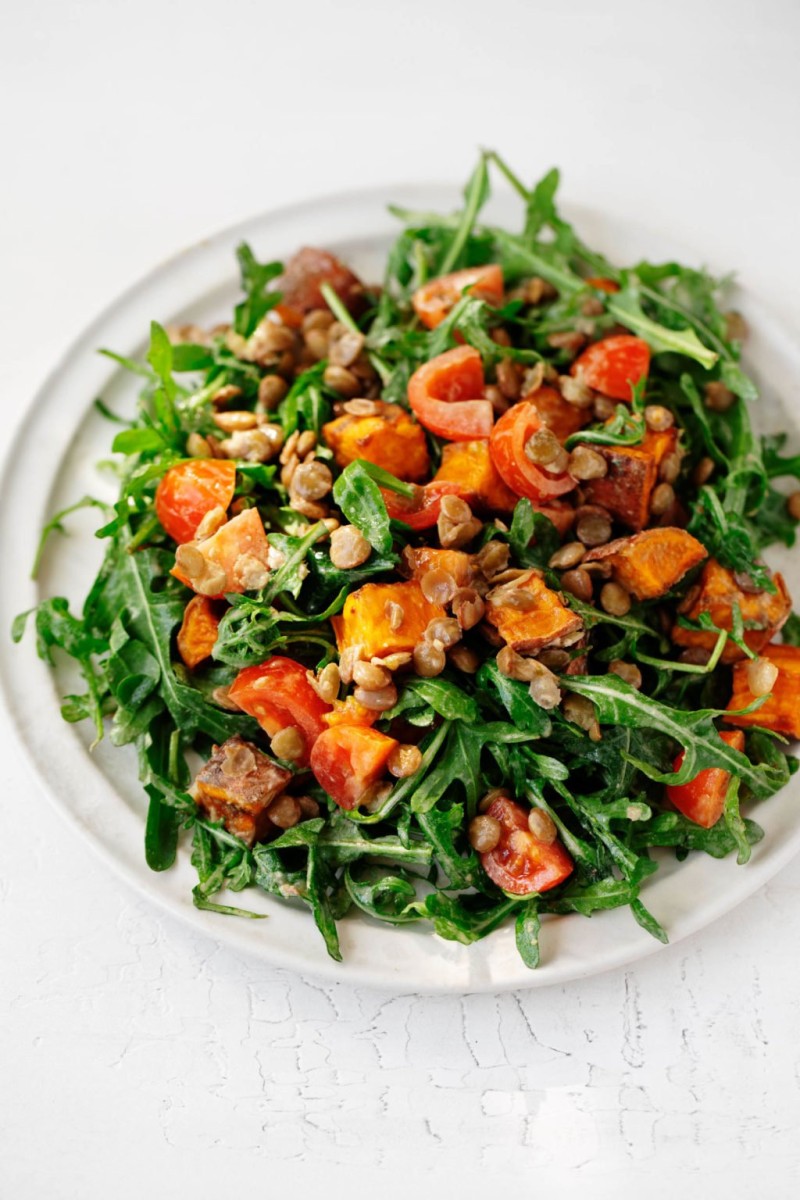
(569, 555)
(205, 577)
(465, 659)
(251, 445)
(670, 468)
(703, 471)
(362, 408)
(197, 446)
(658, 418)
(345, 346)
(543, 687)
(285, 811)
(593, 529)
(341, 380)
(312, 480)
(230, 422)
(306, 443)
(429, 659)
(697, 656)
(438, 586)
(489, 798)
(585, 463)
(496, 398)
(542, 826)
(493, 558)
(515, 666)
(604, 408)
(735, 327)
(214, 519)
(614, 599)
(575, 391)
(326, 684)
(580, 711)
(500, 336)
(578, 583)
(468, 607)
(394, 662)
(662, 499)
(395, 614)
(445, 630)
(544, 449)
(378, 699)
(239, 760)
(761, 676)
(719, 398)
(318, 318)
(533, 379)
(793, 506)
(555, 660)
(569, 340)
(628, 672)
(508, 379)
(308, 806)
(370, 676)
(404, 760)
(349, 548)
(288, 744)
(484, 834)
(271, 390)
(347, 660)
(456, 525)
(222, 697)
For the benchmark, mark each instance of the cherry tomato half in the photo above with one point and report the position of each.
(187, 492)
(445, 395)
(614, 365)
(348, 760)
(520, 862)
(507, 445)
(422, 510)
(434, 300)
(277, 693)
(702, 799)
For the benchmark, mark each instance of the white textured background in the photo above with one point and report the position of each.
(137, 1058)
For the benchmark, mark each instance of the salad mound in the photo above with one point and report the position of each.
(445, 599)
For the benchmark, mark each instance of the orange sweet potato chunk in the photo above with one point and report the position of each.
(648, 564)
(632, 474)
(418, 560)
(763, 613)
(780, 712)
(470, 464)
(548, 623)
(350, 712)
(391, 439)
(365, 619)
(198, 631)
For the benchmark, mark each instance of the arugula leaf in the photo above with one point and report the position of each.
(255, 278)
(359, 498)
(626, 306)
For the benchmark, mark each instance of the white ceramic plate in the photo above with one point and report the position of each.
(58, 450)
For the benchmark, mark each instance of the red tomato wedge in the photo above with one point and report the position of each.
(507, 446)
(702, 799)
(521, 863)
(444, 395)
(434, 300)
(602, 284)
(614, 365)
(348, 760)
(187, 492)
(422, 510)
(277, 693)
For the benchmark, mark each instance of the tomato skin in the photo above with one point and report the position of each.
(521, 863)
(613, 365)
(187, 492)
(423, 511)
(348, 760)
(445, 396)
(702, 799)
(434, 300)
(600, 284)
(277, 693)
(507, 447)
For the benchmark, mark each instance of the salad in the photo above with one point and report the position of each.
(444, 599)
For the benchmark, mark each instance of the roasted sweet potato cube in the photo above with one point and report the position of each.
(350, 712)
(780, 712)
(237, 786)
(632, 474)
(390, 438)
(763, 613)
(470, 464)
(367, 619)
(648, 564)
(418, 560)
(529, 629)
(557, 414)
(198, 632)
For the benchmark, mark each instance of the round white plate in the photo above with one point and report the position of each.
(54, 462)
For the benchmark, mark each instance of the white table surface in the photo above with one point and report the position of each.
(139, 1058)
